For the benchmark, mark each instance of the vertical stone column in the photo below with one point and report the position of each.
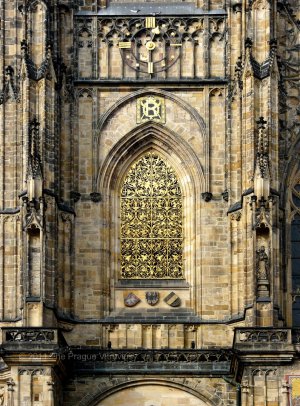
(51, 389)
(10, 392)
(245, 393)
(285, 391)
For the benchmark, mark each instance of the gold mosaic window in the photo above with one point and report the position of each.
(151, 221)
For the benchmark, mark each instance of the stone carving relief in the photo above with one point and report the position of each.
(10, 90)
(10, 392)
(168, 356)
(262, 155)
(131, 300)
(34, 156)
(85, 39)
(151, 108)
(262, 272)
(263, 69)
(262, 264)
(172, 300)
(36, 72)
(31, 371)
(263, 336)
(29, 335)
(262, 216)
(152, 298)
(33, 218)
(236, 215)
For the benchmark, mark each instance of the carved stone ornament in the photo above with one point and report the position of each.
(9, 90)
(75, 196)
(262, 272)
(262, 218)
(206, 196)
(31, 371)
(262, 264)
(256, 335)
(95, 197)
(34, 168)
(29, 335)
(131, 300)
(262, 155)
(2, 392)
(245, 386)
(225, 195)
(10, 384)
(37, 72)
(33, 218)
(236, 216)
(172, 300)
(51, 385)
(142, 356)
(151, 108)
(152, 298)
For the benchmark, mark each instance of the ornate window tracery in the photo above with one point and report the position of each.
(295, 250)
(151, 221)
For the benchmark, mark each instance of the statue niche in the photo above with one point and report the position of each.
(262, 272)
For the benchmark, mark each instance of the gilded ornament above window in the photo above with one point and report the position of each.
(151, 108)
(151, 221)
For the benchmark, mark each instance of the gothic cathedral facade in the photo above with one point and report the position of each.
(149, 203)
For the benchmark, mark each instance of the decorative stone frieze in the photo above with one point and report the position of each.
(29, 335)
(217, 361)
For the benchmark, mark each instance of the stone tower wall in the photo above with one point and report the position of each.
(73, 76)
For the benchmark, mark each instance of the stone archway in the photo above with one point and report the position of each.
(151, 395)
(174, 150)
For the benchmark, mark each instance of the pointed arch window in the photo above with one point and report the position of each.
(151, 221)
(295, 252)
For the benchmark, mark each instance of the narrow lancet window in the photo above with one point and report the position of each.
(295, 254)
(151, 221)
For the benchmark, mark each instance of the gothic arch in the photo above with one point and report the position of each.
(105, 119)
(201, 391)
(290, 168)
(137, 142)
(174, 150)
(159, 92)
(34, 3)
(291, 177)
(260, 4)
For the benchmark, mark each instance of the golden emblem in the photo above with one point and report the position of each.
(151, 108)
(150, 45)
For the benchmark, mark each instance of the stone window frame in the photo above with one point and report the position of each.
(184, 161)
(292, 210)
